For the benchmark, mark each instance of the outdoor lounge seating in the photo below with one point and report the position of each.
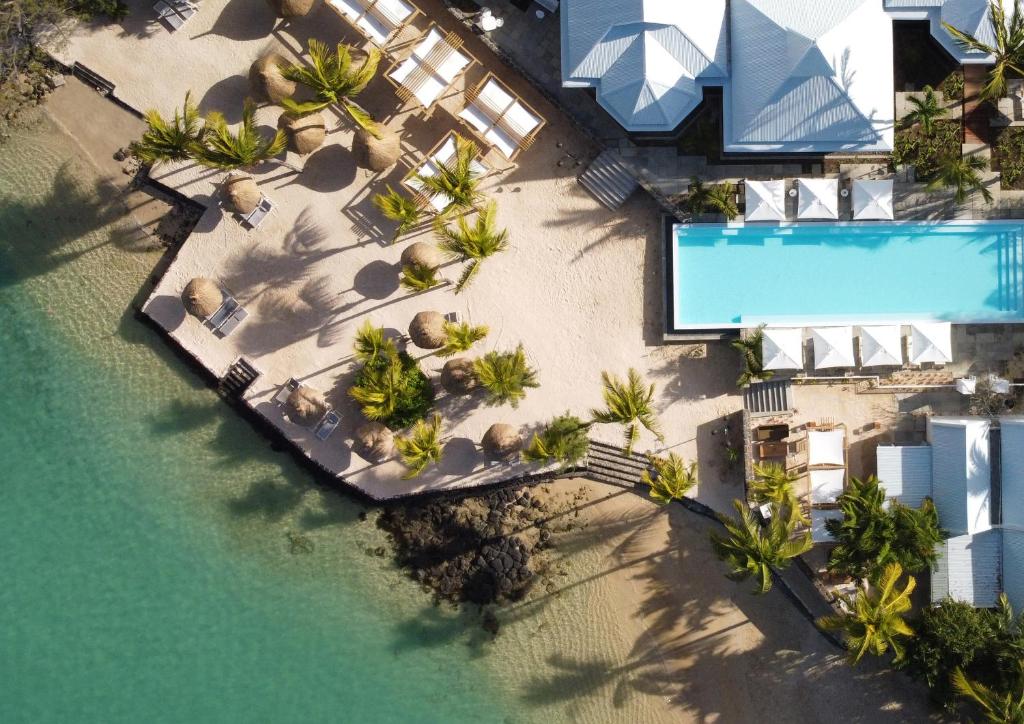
(378, 20)
(254, 219)
(435, 63)
(175, 12)
(500, 118)
(229, 325)
(215, 320)
(441, 154)
(327, 425)
(282, 395)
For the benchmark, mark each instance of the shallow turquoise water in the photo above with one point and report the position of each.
(810, 273)
(146, 572)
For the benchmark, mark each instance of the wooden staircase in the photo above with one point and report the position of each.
(239, 376)
(607, 464)
(977, 115)
(608, 180)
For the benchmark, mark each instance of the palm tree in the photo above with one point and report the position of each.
(628, 403)
(564, 440)
(505, 376)
(418, 277)
(460, 337)
(220, 148)
(925, 112)
(421, 447)
(720, 197)
(873, 621)
(672, 478)
(173, 140)
(961, 173)
(865, 533)
(380, 384)
(749, 348)
(772, 483)
(472, 243)
(752, 550)
(1008, 49)
(334, 80)
(457, 179)
(369, 342)
(998, 707)
(400, 208)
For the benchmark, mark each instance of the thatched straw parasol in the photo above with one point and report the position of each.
(376, 154)
(374, 442)
(422, 254)
(202, 297)
(242, 194)
(501, 441)
(291, 8)
(305, 133)
(266, 81)
(306, 406)
(427, 330)
(457, 376)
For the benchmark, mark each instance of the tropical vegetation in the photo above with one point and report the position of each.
(926, 152)
(962, 174)
(419, 277)
(563, 440)
(873, 620)
(505, 376)
(458, 179)
(772, 483)
(925, 111)
(749, 347)
(170, 140)
(754, 551)
(421, 447)
(997, 707)
(1007, 49)
(334, 80)
(718, 197)
(400, 208)
(389, 387)
(628, 403)
(669, 478)
(460, 337)
(472, 242)
(1008, 153)
(220, 147)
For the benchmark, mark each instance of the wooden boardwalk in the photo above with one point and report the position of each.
(977, 115)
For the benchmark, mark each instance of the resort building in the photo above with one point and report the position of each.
(973, 469)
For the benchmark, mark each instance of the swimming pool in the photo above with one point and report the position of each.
(729, 276)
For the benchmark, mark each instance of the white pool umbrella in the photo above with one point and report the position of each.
(931, 342)
(764, 200)
(881, 346)
(826, 485)
(819, 198)
(833, 347)
(872, 200)
(782, 348)
(825, 447)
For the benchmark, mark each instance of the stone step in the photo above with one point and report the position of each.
(765, 398)
(608, 180)
(238, 378)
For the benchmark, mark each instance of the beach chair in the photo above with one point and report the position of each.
(232, 322)
(379, 20)
(166, 13)
(499, 117)
(215, 320)
(440, 155)
(436, 62)
(256, 217)
(286, 390)
(327, 425)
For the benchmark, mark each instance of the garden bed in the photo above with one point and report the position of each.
(1008, 157)
(927, 152)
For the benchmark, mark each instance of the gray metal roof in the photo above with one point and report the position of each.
(961, 474)
(1013, 567)
(968, 569)
(1012, 470)
(905, 472)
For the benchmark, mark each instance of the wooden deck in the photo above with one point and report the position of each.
(977, 115)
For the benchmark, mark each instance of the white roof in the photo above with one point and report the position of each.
(782, 348)
(833, 347)
(826, 485)
(825, 447)
(765, 200)
(646, 58)
(819, 198)
(809, 76)
(818, 518)
(872, 200)
(881, 346)
(930, 342)
(971, 16)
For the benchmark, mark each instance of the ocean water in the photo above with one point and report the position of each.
(147, 574)
(861, 272)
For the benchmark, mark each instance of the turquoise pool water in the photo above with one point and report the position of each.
(731, 276)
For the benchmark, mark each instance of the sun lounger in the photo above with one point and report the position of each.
(175, 12)
(443, 153)
(231, 322)
(500, 118)
(256, 217)
(218, 318)
(282, 395)
(327, 425)
(434, 65)
(378, 20)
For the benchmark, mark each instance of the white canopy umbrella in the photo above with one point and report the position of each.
(819, 198)
(872, 200)
(833, 347)
(931, 342)
(765, 200)
(782, 348)
(826, 485)
(881, 346)
(825, 447)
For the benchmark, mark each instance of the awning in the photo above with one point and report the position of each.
(819, 198)
(764, 200)
(881, 346)
(872, 200)
(931, 342)
(825, 447)
(826, 485)
(833, 347)
(782, 348)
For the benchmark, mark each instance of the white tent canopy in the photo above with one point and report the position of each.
(765, 200)
(825, 447)
(833, 347)
(782, 348)
(872, 200)
(930, 342)
(819, 198)
(826, 485)
(881, 346)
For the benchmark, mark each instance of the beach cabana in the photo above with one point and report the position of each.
(881, 346)
(500, 117)
(833, 347)
(826, 485)
(782, 348)
(440, 155)
(202, 297)
(376, 153)
(930, 342)
(433, 66)
(427, 330)
(826, 448)
(378, 20)
(764, 200)
(818, 198)
(306, 406)
(872, 200)
(501, 441)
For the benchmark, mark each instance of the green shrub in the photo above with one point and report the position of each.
(927, 152)
(1009, 152)
(952, 86)
(392, 389)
